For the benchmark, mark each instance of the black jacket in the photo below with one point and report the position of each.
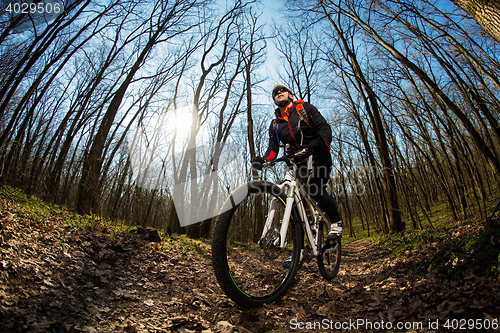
(282, 131)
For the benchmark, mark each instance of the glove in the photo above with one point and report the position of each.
(316, 146)
(258, 162)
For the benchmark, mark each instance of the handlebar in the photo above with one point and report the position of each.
(288, 159)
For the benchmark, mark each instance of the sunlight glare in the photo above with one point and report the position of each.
(182, 120)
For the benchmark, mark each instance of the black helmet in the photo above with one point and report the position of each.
(280, 87)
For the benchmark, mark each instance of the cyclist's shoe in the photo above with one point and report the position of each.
(335, 231)
(288, 262)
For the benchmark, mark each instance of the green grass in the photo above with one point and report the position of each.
(439, 217)
(469, 247)
(450, 246)
(186, 244)
(43, 214)
(34, 209)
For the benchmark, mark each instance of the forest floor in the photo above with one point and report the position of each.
(60, 277)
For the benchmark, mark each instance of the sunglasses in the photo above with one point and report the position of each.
(278, 91)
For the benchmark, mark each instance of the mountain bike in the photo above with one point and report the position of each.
(255, 256)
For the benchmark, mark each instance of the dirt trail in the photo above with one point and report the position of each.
(55, 279)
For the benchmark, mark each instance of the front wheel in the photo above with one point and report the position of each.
(329, 256)
(248, 263)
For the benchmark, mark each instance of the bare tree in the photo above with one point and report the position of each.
(32, 54)
(164, 23)
(216, 75)
(301, 50)
(375, 115)
(423, 77)
(252, 48)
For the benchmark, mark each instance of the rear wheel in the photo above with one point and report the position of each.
(329, 256)
(248, 264)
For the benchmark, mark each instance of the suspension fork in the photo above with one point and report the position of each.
(269, 220)
(289, 186)
(288, 212)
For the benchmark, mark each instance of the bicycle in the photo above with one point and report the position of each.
(250, 250)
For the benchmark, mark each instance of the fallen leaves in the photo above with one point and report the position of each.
(77, 280)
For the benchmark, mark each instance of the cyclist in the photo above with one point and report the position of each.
(300, 125)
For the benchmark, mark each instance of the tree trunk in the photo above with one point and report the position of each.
(439, 93)
(88, 189)
(485, 12)
(395, 221)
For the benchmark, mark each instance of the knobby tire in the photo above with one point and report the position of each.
(329, 258)
(251, 274)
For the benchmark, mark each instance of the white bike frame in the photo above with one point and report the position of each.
(296, 194)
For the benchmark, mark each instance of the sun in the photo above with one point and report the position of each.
(182, 121)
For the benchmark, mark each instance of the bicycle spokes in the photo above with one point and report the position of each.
(252, 254)
(329, 256)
